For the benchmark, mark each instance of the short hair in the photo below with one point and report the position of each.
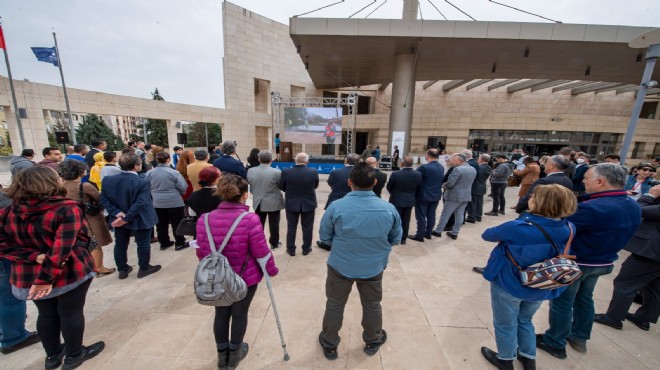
(46, 151)
(228, 147)
(147, 146)
(265, 156)
(433, 153)
(232, 187)
(461, 157)
(177, 148)
(128, 161)
(41, 182)
(407, 161)
(127, 150)
(553, 201)
(71, 170)
(614, 174)
(616, 156)
(302, 158)
(27, 153)
(97, 142)
(79, 148)
(362, 176)
(560, 161)
(565, 151)
(208, 175)
(211, 148)
(109, 156)
(131, 143)
(467, 153)
(200, 154)
(352, 159)
(162, 157)
(528, 160)
(484, 157)
(501, 156)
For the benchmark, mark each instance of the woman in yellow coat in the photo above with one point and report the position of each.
(95, 172)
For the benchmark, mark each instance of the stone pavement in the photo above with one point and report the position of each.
(435, 309)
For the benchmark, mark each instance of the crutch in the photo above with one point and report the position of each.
(262, 264)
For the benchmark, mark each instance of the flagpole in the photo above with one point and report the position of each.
(13, 94)
(66, 98)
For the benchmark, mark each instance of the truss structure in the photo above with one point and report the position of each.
(279, 101)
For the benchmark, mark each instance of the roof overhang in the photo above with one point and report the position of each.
(358, 52)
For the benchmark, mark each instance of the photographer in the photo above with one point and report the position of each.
(640, 183)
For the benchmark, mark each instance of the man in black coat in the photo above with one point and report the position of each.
(476, 206)
(338, 179)
(98, 145)
(299, 185)
(554, 169)
(381, 176)
(403, 188)
(428, 195)
(228, 164)
(640, 271)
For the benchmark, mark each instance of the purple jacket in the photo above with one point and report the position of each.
(248, 234)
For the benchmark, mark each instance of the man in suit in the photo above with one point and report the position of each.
(476, 205)
(569, 171)
(428, 195)
(98, 146)
(381, 176)
(554, 169)
(228, 164)
(267, 198)
(127, 198)
(458, 192)
(299, 184)
(403, 187)
(578, 177)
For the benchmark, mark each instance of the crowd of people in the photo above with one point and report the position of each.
(58, 214)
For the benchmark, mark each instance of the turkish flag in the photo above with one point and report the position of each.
(2, 39)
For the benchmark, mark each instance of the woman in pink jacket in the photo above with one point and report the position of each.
(245, 246)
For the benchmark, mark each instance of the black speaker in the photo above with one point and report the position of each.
(62, 137)
(182, 138)
(479, 145)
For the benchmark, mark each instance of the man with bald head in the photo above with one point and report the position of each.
(403, 187)
(381, 176)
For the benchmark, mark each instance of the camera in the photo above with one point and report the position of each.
(654, 182)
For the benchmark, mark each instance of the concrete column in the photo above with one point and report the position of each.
(403, 99)
(410, 9)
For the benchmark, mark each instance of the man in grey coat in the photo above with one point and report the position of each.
(20, 163)
(498, 183)
(267, 196)
(458, 192)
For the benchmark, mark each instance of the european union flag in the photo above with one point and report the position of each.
(48, 55)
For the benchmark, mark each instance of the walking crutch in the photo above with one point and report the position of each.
(262, 264)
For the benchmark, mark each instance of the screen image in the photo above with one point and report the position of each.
(312, 125)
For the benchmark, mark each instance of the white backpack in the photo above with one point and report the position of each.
(216, 283)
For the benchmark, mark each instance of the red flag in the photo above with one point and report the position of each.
(2, 39)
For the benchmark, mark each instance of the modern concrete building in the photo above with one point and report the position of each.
(499, 85)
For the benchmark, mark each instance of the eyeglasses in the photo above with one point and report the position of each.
(646, 170)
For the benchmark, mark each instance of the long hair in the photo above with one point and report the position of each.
(186, 158)
(38, 182)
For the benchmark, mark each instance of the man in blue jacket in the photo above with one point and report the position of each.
(428, 195)
(362, 229)
(127, 197)
(605, 220)
(228, 164)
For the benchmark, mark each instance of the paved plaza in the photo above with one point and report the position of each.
(435, 309)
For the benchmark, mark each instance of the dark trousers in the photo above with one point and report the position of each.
(405, 213)
(307, 225)
(237, 314)
(637, 273)
(425, 215)
(167, 217)
(63, 314)
(143, 241)
(273, 225)
(337, 290)
(498, 196)
(475, 208)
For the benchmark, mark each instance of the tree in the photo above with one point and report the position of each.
(157, 128)
(197, 134)
(93, 127)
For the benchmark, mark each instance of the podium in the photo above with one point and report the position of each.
(286, 151)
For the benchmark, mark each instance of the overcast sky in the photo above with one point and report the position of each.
(128, 47)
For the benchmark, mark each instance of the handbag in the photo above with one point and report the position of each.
(187, 226)
(89, 208)
(552, 273)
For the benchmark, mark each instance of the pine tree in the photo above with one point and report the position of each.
(157, 128)
(93, 127)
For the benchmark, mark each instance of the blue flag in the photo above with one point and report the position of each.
(48, 55)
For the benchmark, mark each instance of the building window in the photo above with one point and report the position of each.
(638, 149)
(648, 110)
(261, 96)
(22, 112)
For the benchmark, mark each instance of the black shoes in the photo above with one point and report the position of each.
(491, 356)
(644, 325)
(86, 354)
(166, 245)
(602, 318)
(329, 353)
(54, 361)
(307, 251)
(448, 228)
(323, 245)
(279, 244)
(427, 237)
(223, 359)
(235, 357)
(124, 274)
(527, 363)
(453, 236)
(372, 348)
(148, 271)
(179, 247)
(415, 238)
(291, 252)
(579, 346)
(435, 233)
(470, 220)
(31, 339)
(491, 214)
(501, 212)
(478, 270)
(556, 352)
(403, 242)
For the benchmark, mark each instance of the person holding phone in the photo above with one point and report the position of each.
(640, 183)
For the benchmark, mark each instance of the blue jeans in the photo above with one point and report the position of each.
(572, 313)
(512, 319)
(143, 241)
(12, 311)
